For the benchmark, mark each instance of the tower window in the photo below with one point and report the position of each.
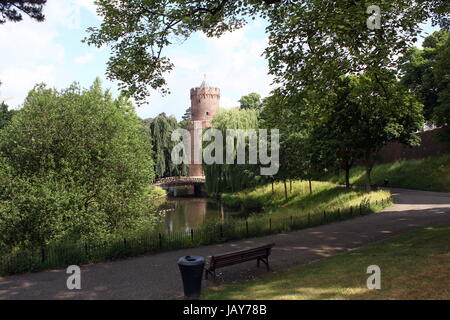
(207, 113)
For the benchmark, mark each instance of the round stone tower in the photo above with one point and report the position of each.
(204, 104)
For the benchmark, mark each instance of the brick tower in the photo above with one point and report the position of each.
(204, 104)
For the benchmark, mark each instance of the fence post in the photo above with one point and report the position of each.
(339, 213)
(42, 254)
(292, 222)
(86, 248)
(309, 219)
(382, 202)
(221, 231)
(360, 209)
(270, 224)
(160, 240)
(351, 211)
(246, 226)
(124, 242)
(192, 235)
(324, 216)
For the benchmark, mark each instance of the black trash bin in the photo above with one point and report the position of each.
(191, 268)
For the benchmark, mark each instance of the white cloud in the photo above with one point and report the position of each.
(17, 81)
(85, 58)
(35, 52)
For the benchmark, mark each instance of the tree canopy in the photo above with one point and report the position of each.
(5, 114)
(251, 101)
(425, 73)
(223, 177)
(310, 41)
(160, 130)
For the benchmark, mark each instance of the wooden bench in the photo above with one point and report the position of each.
(227, 259)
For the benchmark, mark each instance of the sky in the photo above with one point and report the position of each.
(52, 52)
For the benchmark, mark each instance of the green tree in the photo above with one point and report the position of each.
(160, 130)
(441, 114)
(378, 112)
(231, 177)
(425, 72)
(293, 116)
(74, 165)
(251, 101)
(5, 114)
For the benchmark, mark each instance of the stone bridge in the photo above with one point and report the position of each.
(180, 181)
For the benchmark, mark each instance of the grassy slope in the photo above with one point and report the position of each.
(325, 196)
(414, 265)
(431, 174)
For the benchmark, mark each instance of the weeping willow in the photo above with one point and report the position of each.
(232, 177)
(160, 130)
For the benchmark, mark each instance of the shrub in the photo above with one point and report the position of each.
(74, 165)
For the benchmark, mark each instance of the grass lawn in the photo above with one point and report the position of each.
(430, 174)
(325, 196)
(414, 265)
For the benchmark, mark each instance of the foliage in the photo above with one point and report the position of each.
(442, 112)
(160, 130)
(425, 73)
(308, 40)
(232, 177)
(432, 174)
(74, 165)
(11, 10)
(289, 115)
(5, 115)
(312, 42)
(251, 101)
(359, 116)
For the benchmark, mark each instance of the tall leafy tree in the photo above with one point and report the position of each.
(160, 130)
(425, 72)
(75, 164)
(441, 114)
(377, 112)
(232, 177)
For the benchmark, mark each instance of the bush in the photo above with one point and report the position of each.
(231, 201)
(74, 165)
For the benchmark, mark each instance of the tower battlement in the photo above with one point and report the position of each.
(210, 91)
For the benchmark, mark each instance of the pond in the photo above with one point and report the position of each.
(186, 213)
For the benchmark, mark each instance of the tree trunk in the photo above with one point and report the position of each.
(310, 186)
(347, 177)
(368, 165)
(285, 191)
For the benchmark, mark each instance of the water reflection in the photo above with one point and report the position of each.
(184, 214)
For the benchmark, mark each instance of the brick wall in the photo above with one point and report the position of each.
(430, 146)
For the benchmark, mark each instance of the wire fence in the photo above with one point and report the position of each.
(63, 255)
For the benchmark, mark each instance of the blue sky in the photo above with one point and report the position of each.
(52, 52)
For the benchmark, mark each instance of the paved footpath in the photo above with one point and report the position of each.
(156, 276)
